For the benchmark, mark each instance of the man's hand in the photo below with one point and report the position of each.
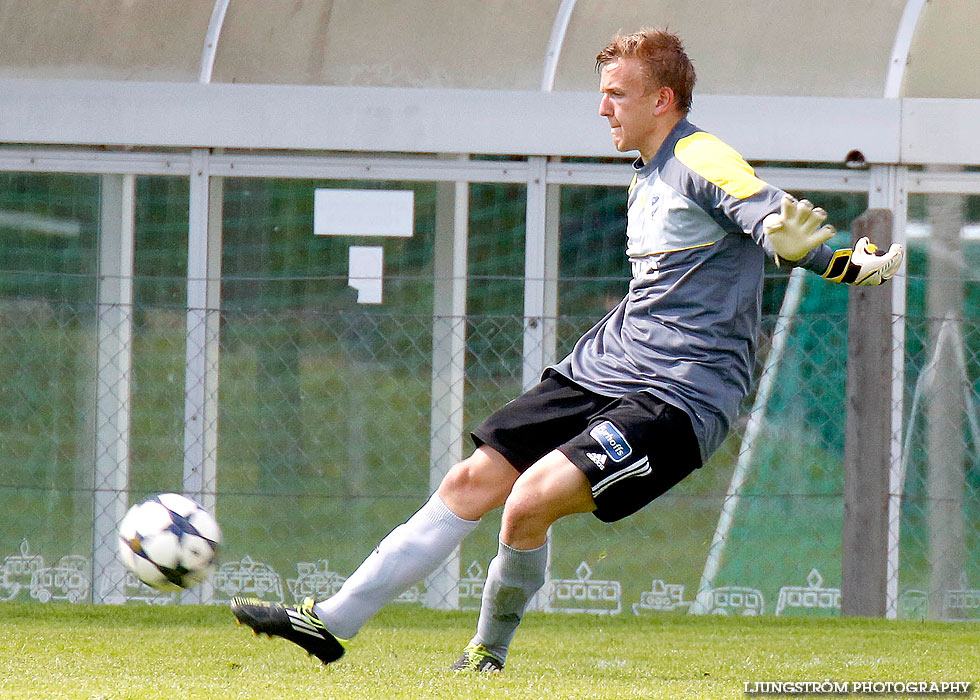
(864, 265)
(796, 230)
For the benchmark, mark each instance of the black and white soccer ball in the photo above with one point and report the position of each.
(169, 542)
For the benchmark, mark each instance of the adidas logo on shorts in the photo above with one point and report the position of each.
(599, 459)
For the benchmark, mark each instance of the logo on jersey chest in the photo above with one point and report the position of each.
(652, 205)
(611, 441)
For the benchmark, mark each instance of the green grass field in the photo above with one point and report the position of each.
(55, 652)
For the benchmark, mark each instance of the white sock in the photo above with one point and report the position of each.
(513, 577)
(408, 554)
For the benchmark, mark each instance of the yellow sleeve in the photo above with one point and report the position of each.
(719, 164)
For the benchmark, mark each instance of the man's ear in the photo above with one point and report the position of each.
(665, 100)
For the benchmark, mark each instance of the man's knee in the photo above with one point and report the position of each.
(462, 480)
(478, 484)
(526, 517)
(522, 508)
(549, 490)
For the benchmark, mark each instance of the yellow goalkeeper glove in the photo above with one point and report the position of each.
(865, 264)
(796, 230)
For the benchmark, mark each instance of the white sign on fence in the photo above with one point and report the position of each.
(363, 212)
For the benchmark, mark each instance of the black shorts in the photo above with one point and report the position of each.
(632, 449)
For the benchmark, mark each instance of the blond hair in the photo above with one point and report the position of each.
(667, 65)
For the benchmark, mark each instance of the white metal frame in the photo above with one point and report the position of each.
(888, 191)
(555, 43)
(895, 78)
(90, 161)
(535, 274)
(886, 186)
(202, 346)
(209, 51)
(448, 363)
(113, 383)
(419, 120)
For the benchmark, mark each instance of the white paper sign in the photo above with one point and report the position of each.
(365, 267)
(363, 212)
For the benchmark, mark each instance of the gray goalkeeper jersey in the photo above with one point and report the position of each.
(686, 330)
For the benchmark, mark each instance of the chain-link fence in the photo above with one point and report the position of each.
(322, 439)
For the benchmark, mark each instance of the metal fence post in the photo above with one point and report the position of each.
(110, 495)
(202, 349)
(888, 190)
(540, 294)
(864, 538)
(534, 274)
(448, 364)
(946, 449)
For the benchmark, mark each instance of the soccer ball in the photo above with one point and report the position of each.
(169, 542)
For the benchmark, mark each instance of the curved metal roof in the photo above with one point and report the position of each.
(912, 48)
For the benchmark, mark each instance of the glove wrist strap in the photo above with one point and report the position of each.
(841, 270)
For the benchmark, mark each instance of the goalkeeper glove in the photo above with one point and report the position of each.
(865, 264)
(796, 230)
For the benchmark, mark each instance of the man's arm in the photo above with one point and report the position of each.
(727, 187)
(796, 233)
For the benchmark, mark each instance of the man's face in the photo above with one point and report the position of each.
(628, 104)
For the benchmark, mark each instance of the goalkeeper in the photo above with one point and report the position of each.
(645, 396)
